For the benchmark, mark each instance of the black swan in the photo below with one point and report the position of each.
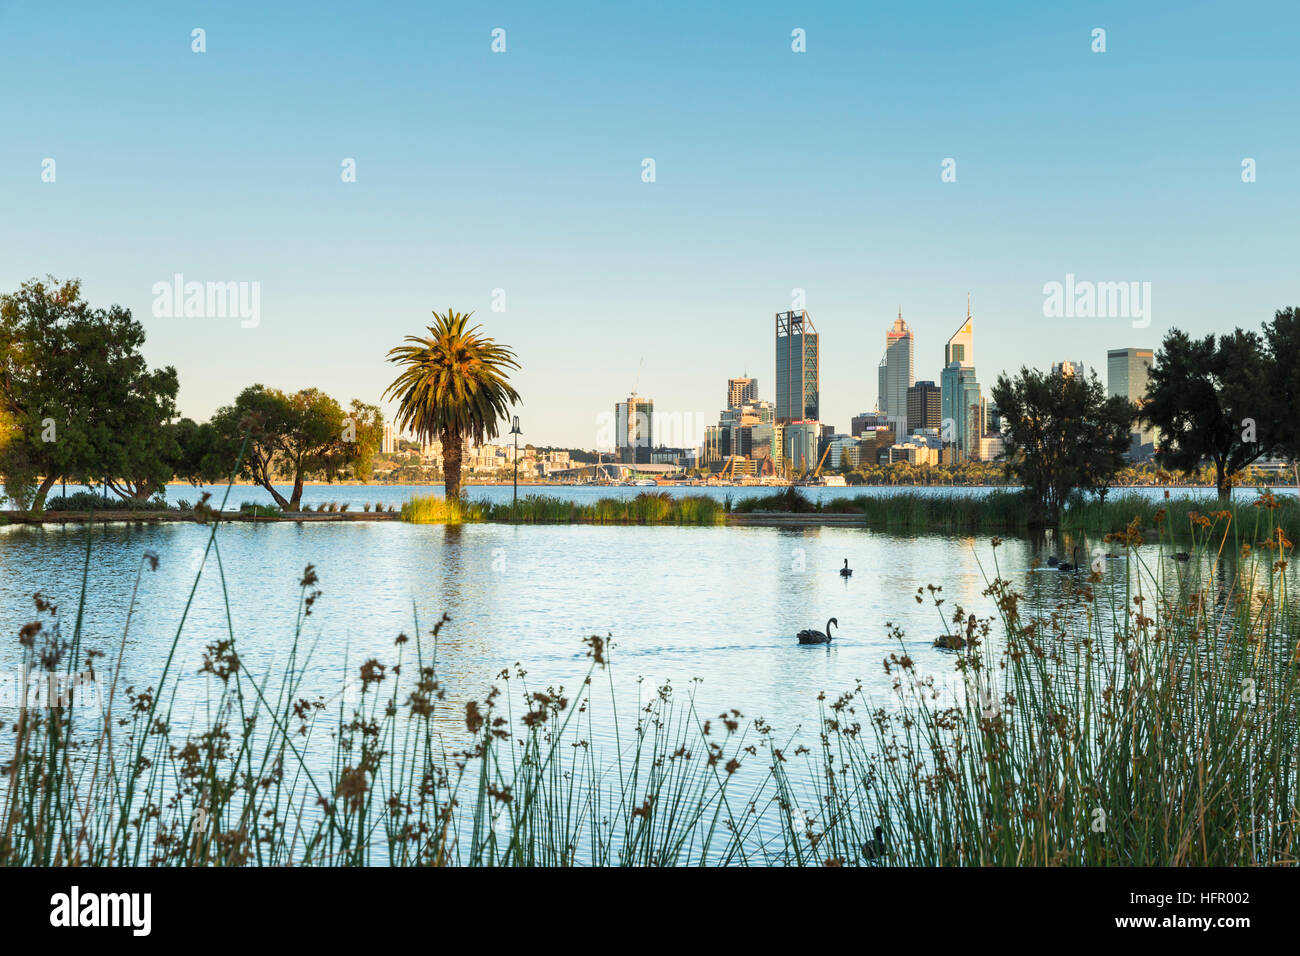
(1181, 556)
(874, 849)
(846, 571)
(1066, 565)
(817, 637)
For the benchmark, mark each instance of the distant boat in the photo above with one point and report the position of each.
(645, 483)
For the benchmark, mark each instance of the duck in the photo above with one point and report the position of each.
(846, 571)
(874, 849)
(817, 637)
(950, 642)
(1181, 556)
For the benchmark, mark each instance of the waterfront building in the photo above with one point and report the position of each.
(798, 368)
(800, 440)
(634, 430)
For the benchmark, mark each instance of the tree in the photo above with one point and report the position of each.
(289, 435)
(453, 385)
(77, 399)
(1062, 433)
(1216, 399)
(1282, 336)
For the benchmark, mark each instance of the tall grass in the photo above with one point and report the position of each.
(645, 508)
(1006, 511)
(1157, 726)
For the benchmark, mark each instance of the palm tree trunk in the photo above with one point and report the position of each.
(451, 462)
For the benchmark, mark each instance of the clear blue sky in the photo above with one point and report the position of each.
(775, 170)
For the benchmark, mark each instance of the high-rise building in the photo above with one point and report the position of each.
(389, 444)
(924, 407)
(961, 347)
(1066, 367)
(1127, 373)
(798, 362)
(895, 376)
(741, 391)
(634, 430)
(960, 400)
(800, 441)
(959, 393)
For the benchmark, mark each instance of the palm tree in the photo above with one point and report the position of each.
(452, 386)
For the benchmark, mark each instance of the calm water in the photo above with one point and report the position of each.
(717, 604)
(355, 496)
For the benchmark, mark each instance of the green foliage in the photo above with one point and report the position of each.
(294, 434)
(453, 385)
(1229, 399)
(77, 400)
(89, 501)
(1062, 434)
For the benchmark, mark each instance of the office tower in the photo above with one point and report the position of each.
(895, 376)
(797, 368)
(924, 407)
(959, 395)
(882, 386)
(800, 445)
(1127, 374)
(389, 444)
(741, 391)
(1067, 367)
(961, 347)
(634, 430)
(961, 426)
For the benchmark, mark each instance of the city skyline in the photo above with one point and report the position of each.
(1125, 166)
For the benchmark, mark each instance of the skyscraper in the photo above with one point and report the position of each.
(961, 347)
(1066, 367)
(924, 407)
(741, 390)
(896, 376)
(960, 392)
(634, 429)
(798, 361)
(1127, 373)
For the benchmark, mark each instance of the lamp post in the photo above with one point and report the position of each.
(514, 430)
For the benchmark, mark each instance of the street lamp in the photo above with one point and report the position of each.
(514, 430)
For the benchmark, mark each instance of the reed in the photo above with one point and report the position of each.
(645, 508)
(1155, 726)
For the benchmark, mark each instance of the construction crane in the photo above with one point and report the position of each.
(823, 461)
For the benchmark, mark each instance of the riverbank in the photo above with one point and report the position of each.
(908, 513)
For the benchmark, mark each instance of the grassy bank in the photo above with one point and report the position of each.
(1160, 728)
(645, 508)
(1006, 512)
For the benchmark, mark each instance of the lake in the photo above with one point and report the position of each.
(717, 604)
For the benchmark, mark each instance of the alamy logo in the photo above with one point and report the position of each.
(1098, 300)
(178, 299)
(103, 909)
